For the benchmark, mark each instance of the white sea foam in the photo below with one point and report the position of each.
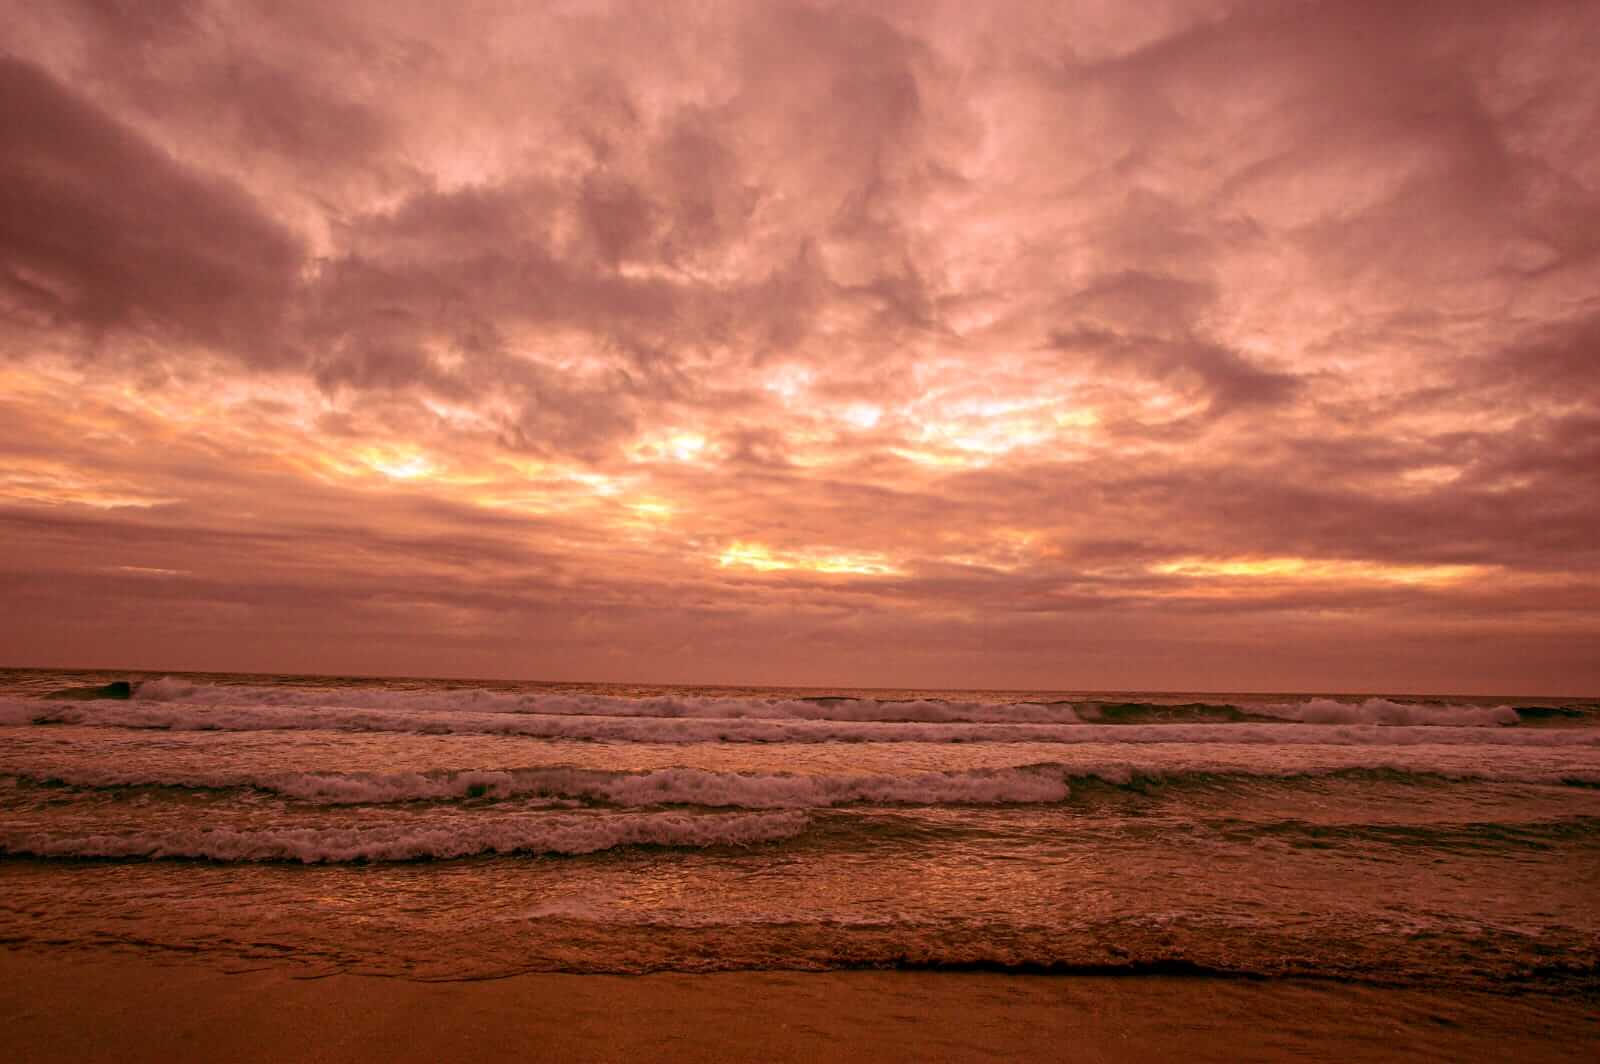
(1384, 711)
(673, 786)
(684, 786)
(566, 703)
(181, 716)
(548, 833)
(563, 703)
(1036, 783)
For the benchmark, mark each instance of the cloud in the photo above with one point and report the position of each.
(1084, 345)
(105, 235)
(1148, 325)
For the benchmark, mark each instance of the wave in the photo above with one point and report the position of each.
(612, 728)
(545, 703)
(546, 834)
(204, 717)
(118, 690)
(1383, 711)
(672, 786)
(1388, 712)
(825, 707)
(1035, 784)
(1481, 835)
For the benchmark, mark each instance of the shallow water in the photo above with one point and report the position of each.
(442, 829)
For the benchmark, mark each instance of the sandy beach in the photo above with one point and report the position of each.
(107, 1006)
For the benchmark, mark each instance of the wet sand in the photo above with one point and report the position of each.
(108, 1006)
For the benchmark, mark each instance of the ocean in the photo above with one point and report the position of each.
(445, 829)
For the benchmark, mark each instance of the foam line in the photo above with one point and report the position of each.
(552, 834)
(611, 728)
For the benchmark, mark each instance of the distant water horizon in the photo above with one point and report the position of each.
(112, 672)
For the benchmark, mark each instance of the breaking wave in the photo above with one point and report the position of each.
(672, 786)
(545, 834)
(1374, 721)
(1043, 783)
(546, 703)
(1385, 711)
(1321, 710)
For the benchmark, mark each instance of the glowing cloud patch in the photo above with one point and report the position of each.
(788, 382)
(1314, 569)
(751, 556)
(670, 447)
(862, 415)
(763, 559)
(655, 511)
(54, 485)
(400, 466)
(1081, 418)
(986, 428)
(598, 483)
(947, 460)
(686, 446)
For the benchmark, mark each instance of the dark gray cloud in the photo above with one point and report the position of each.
(104, 234)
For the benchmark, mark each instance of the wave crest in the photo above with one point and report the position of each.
(1360, 726)
(548, 834)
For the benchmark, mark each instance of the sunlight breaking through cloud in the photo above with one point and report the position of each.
(762, 559)
(1062, 344)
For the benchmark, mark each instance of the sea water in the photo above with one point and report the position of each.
(451, 829)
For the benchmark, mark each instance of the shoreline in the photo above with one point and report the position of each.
(108, 1005)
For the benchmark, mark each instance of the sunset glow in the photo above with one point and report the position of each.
(755, 556)
(1315, 569)
(985, 345)
(751, 529)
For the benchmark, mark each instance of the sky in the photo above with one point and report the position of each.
(1087, 346)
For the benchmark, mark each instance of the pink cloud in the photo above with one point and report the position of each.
(1172, 345)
